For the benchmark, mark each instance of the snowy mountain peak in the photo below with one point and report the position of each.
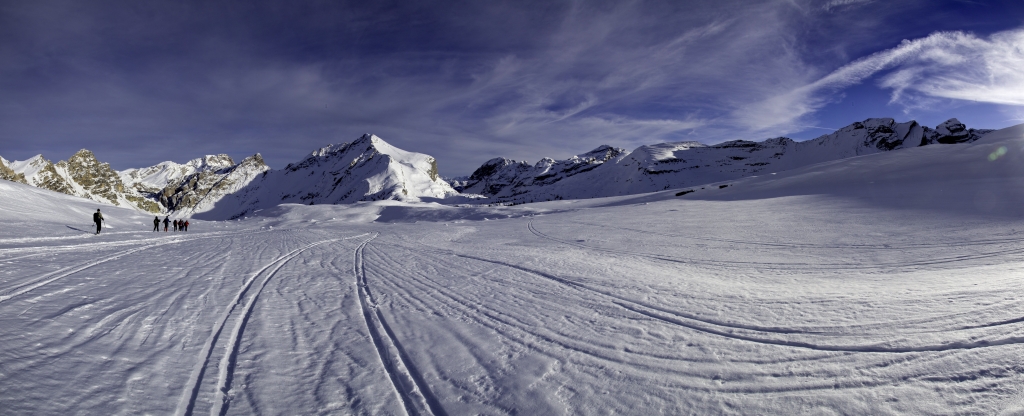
(7, 172)
(214, 162)
(367, 169)
(602, 153)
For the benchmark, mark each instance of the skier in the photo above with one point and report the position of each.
(175, 225)
(186, 225)
(156, 223)
(98, 219)
(167, 220)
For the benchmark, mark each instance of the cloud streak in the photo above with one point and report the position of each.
(953, 65)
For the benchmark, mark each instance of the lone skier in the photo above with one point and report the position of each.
(98, 219)
(156, 223)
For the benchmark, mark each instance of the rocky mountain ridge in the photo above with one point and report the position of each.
(607, 171)
(370, 169)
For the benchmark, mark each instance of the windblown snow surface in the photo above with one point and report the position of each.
(882, 284)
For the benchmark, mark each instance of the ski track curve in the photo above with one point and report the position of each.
(188, 399)
(408, 383)
(529, 338)
(756, 335)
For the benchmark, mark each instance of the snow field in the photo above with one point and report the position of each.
(826, 290)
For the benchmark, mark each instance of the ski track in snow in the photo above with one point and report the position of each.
(409, 385)
(730, 330)
(227, 361)
(540, 341)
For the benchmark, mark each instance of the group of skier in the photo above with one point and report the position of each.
(179, 225)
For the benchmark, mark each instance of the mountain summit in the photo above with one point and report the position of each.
(368, 169)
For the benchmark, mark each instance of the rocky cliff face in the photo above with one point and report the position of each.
(8, 174)
(507, 177)
(607, 171)
(164, 188)
(201, 189)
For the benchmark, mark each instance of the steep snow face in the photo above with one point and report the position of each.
(610, 172)
(368, 169)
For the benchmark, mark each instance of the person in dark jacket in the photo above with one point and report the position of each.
(167, 221)
(98, 219)
(175, 225)
(156, 223)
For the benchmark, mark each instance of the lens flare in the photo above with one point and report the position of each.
(997, 154)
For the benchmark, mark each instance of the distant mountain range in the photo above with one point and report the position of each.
(608, 171)
(370, 169)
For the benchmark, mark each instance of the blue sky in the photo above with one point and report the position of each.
(143, 82)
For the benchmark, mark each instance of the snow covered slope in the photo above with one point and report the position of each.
(44, 215)
(885, 283)
(607, 172)
(367, 169)
(982, 177)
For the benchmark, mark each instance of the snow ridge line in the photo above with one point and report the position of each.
(728, 330)
(408, 383)
(65, 272)
(188, 399)
(783, 266)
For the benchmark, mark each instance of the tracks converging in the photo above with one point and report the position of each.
(408, 382)
(240, 314)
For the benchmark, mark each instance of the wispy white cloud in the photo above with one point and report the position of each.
(837, 4)
(952, 65)
(964, 67)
